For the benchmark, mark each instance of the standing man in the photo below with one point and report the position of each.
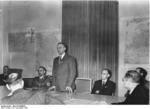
(64, 70)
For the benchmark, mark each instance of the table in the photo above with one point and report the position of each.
(39, 97)
(87, 98)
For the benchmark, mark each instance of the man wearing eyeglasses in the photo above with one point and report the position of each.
(64, 70)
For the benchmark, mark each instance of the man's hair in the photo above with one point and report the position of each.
(64, 44)
(5, 66)
(142, 71)
(134, 75)
(43, 68)
(109, 72)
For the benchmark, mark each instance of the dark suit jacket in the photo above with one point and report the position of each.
(2, 78)
(64, 72)
(143, 83)
(107, 89)
(44, 83)
(139, 96)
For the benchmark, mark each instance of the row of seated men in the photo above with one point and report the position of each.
(41, 81)
(104, 86)
(134, 81)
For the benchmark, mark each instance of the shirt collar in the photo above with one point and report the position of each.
(132, 89)
(62, 56)
(104, 80)
(41, 77)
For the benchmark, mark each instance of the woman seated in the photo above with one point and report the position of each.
(104, 86)
(137, 92)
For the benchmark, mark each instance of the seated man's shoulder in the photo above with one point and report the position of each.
(111, 82)
(48, 77)
(98, 81)
(1, 75)
(147, 84)
(35, 78)
(142, 90)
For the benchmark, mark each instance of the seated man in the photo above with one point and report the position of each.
(104, 86)
(143, 81)
(143, 74)
(4, 76)
(18, 95)
(137, 92)
(42, 81)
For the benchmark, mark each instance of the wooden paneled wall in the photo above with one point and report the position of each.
(90, 28)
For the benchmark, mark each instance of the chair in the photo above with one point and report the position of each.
(28, 82)
(83, 85)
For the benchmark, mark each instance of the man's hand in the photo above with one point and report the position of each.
(69, 89)
(52, 88)
(48, 84)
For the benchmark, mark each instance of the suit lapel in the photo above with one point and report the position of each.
(60, 61)
(66, 55)
(106, 84)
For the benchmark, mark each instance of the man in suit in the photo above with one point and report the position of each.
(42, 81)
(64, 70)
(137, 93)
(143, 81)
(104, 86)
(4, 76)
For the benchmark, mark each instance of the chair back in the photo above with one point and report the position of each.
(83, 85)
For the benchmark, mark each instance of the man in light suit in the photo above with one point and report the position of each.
(104, 86)
(64, 70)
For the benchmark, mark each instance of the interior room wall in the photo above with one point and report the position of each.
(17, 16)
(1, 39)
(133, 38)
(45, 18)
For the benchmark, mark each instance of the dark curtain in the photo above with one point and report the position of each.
(75, 33)
(90, 28)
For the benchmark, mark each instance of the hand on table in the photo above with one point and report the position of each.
(53, 88)
(69, 89)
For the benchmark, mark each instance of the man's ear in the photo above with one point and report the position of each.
(64, 48)
(108, 75)
(44, 72)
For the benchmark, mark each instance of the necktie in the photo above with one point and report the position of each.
(60, 60)
(103, 83)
